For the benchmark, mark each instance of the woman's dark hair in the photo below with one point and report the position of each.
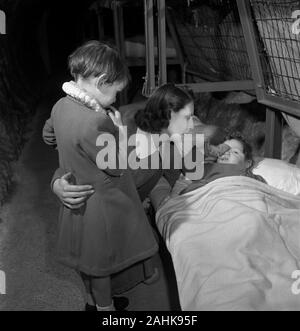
(94, 59)
(157, 113)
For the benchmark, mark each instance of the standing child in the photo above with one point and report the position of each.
(110, 232)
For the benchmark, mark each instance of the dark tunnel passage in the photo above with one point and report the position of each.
(33, 53)
(33, 56)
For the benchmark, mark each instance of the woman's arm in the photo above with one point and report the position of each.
(49, 134)
(72, 196)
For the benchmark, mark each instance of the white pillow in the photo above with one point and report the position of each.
(279, 174)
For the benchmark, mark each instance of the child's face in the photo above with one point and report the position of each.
(235, 155)
(106, 94)
(181, 122)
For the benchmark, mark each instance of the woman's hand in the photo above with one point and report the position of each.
(72, 196)
(219, 150)
(212, 153)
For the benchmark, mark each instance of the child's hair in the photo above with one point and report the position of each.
(95, 59)
(157, 113)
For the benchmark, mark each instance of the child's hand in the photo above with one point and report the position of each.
(115, 116)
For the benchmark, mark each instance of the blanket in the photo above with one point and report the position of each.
(235, 244)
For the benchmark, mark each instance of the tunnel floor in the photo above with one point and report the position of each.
(28, 220)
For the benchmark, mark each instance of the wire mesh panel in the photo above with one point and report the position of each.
(276, 26)
(212, 38)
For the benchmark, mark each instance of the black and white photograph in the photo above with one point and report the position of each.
(149, 158)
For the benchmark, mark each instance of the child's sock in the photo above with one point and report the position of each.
(107, 308)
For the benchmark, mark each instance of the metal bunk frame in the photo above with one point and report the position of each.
(274, 103)
(150, 62)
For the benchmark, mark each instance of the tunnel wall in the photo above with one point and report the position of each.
(40, 34)
(21, 72)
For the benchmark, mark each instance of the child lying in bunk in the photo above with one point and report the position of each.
(231, 158)
(236, 161)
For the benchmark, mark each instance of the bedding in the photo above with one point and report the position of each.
(235, 244)
(279, 174)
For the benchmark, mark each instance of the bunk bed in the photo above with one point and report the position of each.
(134, 48)
(234, 242)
